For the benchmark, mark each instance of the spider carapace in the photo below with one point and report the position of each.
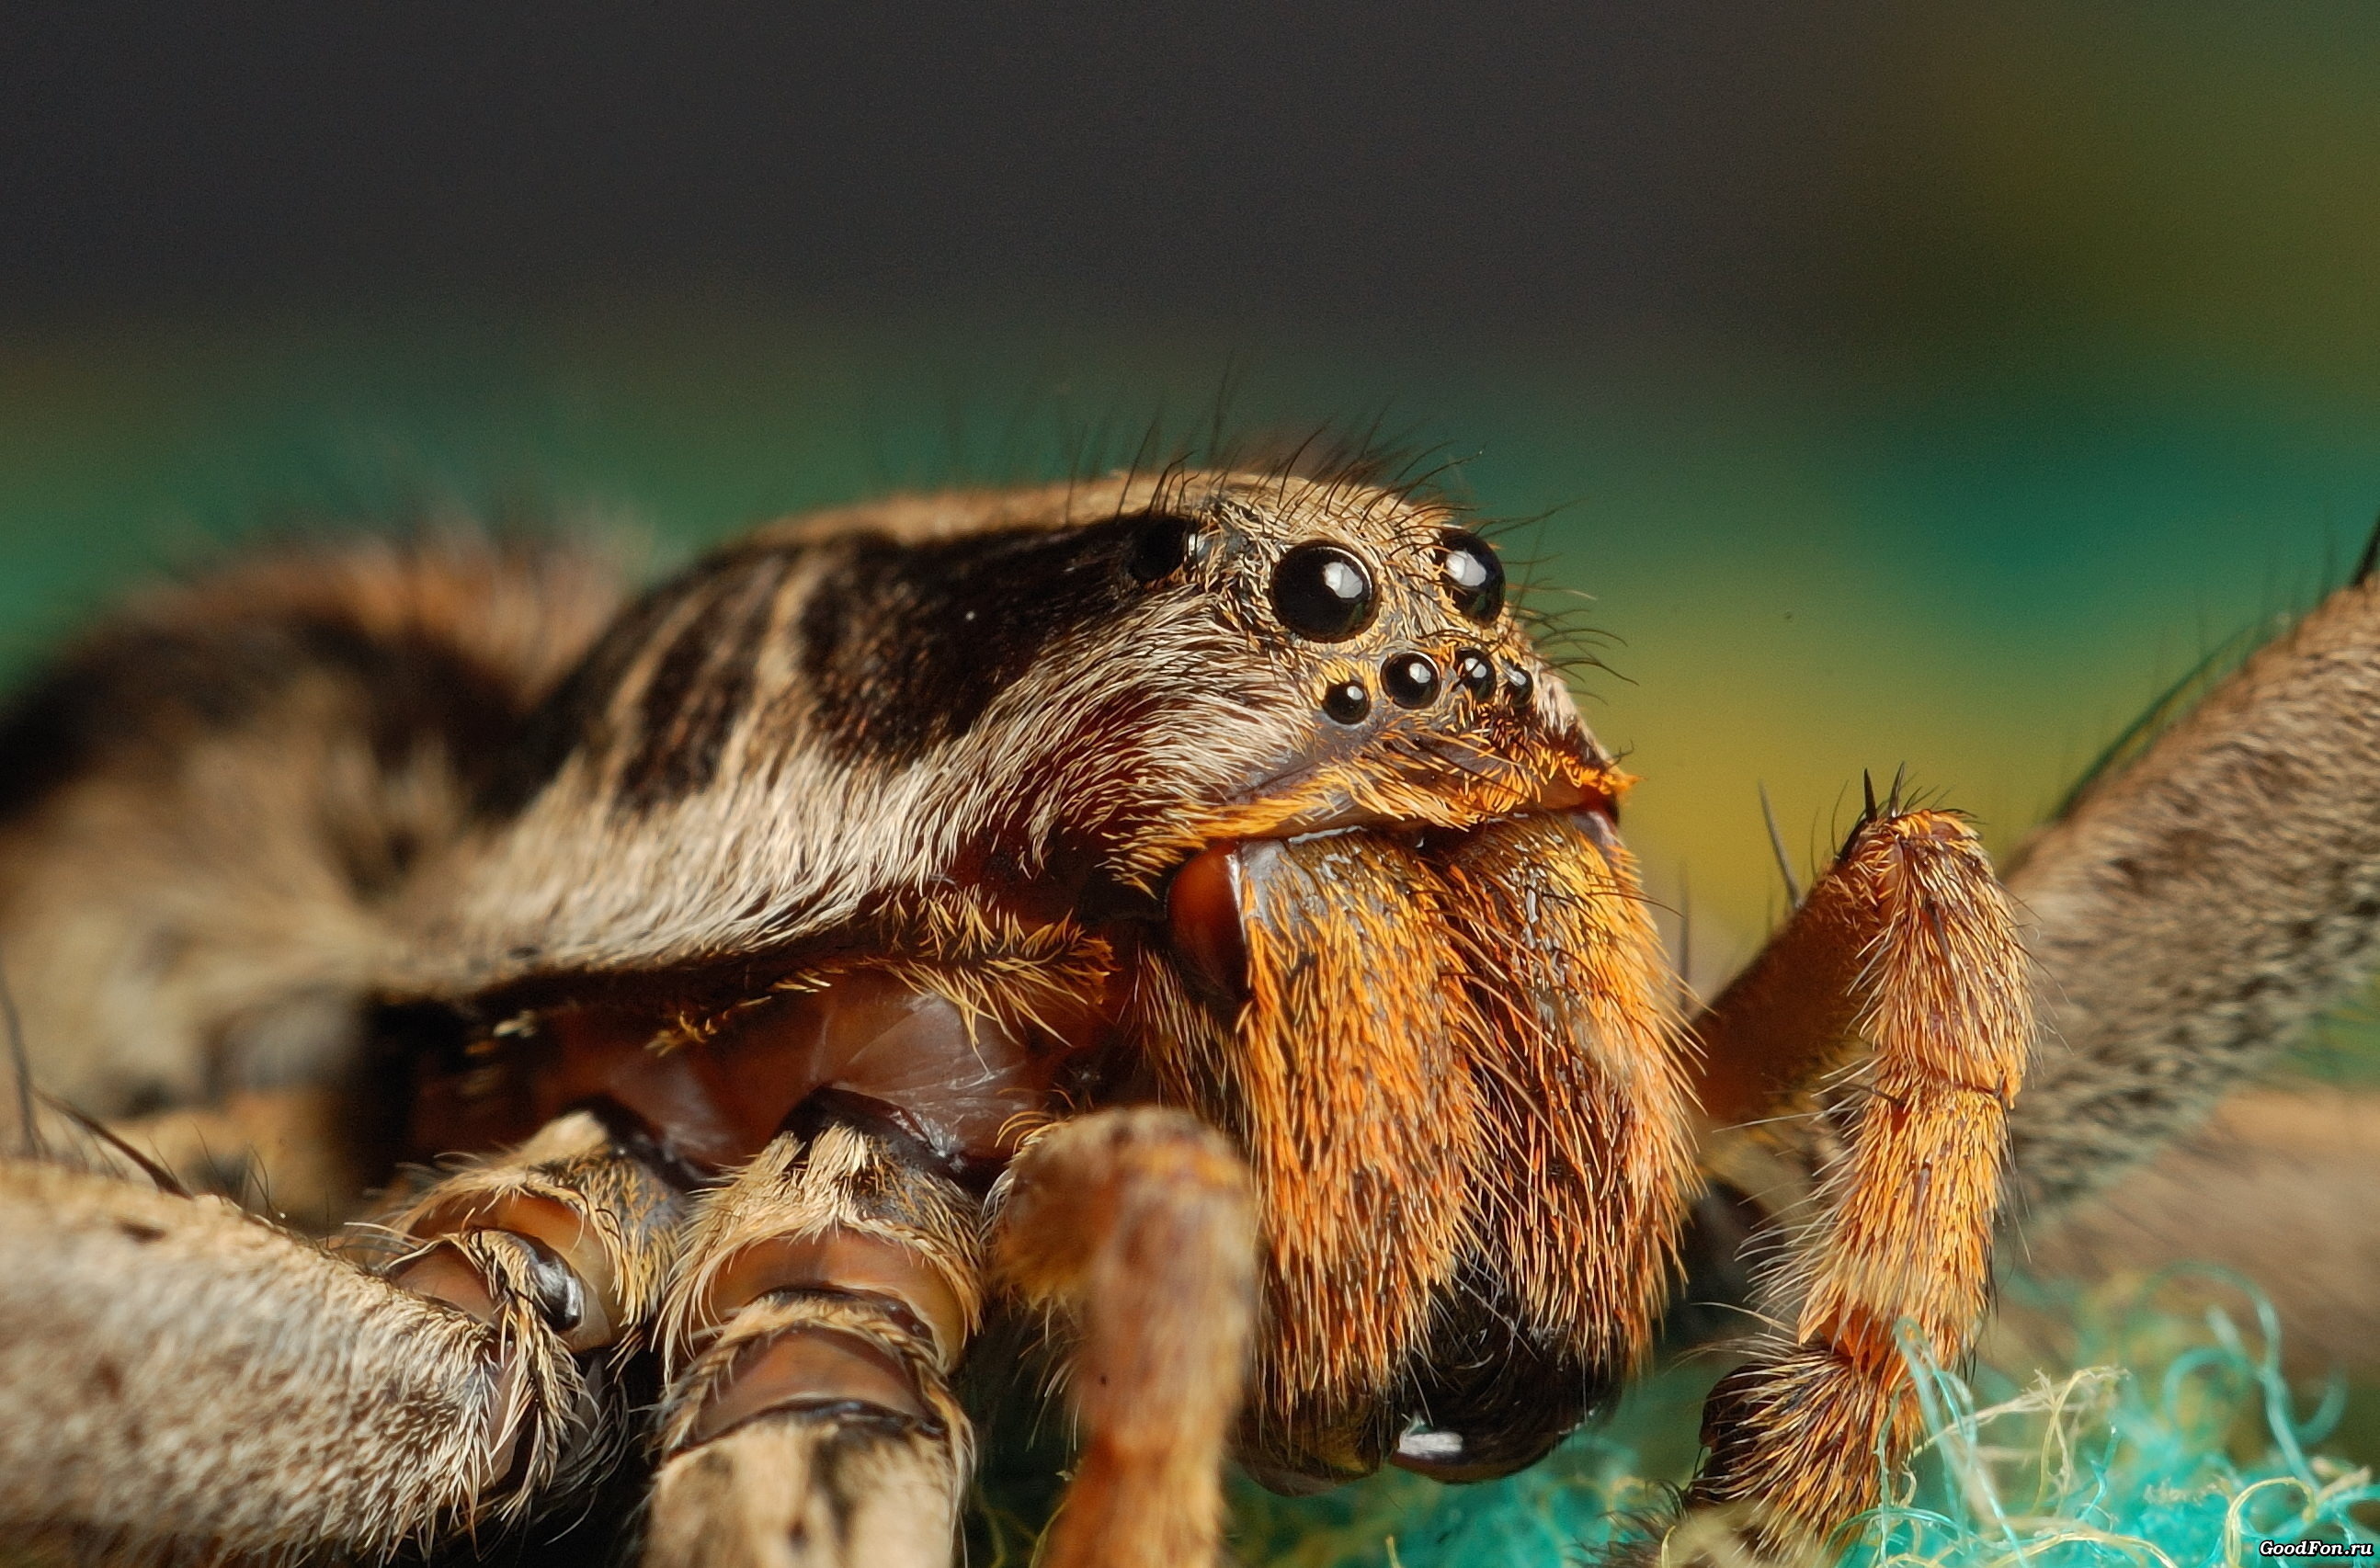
(1244, 799)
(1185, 912)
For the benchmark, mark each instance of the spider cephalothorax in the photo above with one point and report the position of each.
(1186, 910)
(1226, 747)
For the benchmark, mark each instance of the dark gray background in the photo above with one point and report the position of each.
(1519, 169)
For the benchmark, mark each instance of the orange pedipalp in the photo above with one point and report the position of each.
(1586, 1165)
(1451, 1065)
(1363, 1125)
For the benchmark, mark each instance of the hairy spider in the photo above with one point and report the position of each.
(1182, 912)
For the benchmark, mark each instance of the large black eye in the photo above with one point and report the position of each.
(1319, 590)
(1475, 579)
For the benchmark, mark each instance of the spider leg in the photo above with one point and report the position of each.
(1140, 1225)
(177, 1375)
(1901, 979)
(818, 1305)
(2193, 910)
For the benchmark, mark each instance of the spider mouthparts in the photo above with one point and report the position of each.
(1203, 910)
(1336, 809)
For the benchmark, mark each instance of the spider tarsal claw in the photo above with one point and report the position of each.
(564, 1269)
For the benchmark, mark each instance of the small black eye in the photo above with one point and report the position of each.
(1475, 577)
(1346, 701)
(1319, 590)
(1161, 547)
(1518, 682)
(1475, 674)
(1409, 678)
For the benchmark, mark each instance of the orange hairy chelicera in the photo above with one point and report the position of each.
(1183, 914)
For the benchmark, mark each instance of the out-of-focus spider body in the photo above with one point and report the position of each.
(1186, 909)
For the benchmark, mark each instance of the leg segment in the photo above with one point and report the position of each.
(1140, 1226)
(2194, 909)
(1900, 977)
(176, 1374)
(818, 1307)
(567, 1227)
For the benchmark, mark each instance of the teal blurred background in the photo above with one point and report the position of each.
(1923, 387)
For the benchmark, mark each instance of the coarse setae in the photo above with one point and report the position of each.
(1167, 933)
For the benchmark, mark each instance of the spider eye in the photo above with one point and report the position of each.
(1346, 701)
(1475, 579)
(1475, 673)
(1412, 679)
(1161, 547)
(1320, 592)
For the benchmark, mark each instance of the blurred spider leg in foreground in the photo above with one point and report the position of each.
(1140, 1225)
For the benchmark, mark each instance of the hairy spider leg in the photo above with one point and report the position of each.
(1901, 992)
(818, 1307)
(146, 1330)
(1138, 1227)
(2196, 908)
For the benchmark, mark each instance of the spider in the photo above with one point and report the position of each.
(1177, 916)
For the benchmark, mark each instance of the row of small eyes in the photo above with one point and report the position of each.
(1324, 591)
(1412, 680)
